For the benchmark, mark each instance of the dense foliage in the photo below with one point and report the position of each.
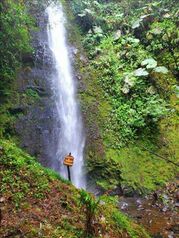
(14, 39)
(15, 45)
(133, 56)
(123, 45)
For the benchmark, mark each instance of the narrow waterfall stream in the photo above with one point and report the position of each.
(71, 138)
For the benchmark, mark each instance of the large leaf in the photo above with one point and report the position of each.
(161, 69)
(151, 90)
(136, 24)
(96, 3)
(155, 4)
(150, 63)
(82, 14)
(157, 31)
(85, 12)
(129, 80)
(119, 15)
(89, 11)
(176, 90)
(144, 16)
(140, 72)
(133, 40)
(98, 30)
(117, 35)
(125, 89)
(167, 15)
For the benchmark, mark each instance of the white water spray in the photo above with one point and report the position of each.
(71, 138)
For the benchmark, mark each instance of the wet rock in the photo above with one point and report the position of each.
(165, 196)
(27, 58)
(158, 235)
(164, 209)
(79, 77)
(74, 50)
(2, 199)
(177, 196)
(159, 216)
(139, 202)
(140, 208)
(128, 192)
(39, 128)
(171, 235)
(124, 205)
(175, 228)
(139, 217)
(116, 191)
(83, 59)
(18, 109)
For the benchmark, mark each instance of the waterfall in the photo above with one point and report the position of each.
(71, 138)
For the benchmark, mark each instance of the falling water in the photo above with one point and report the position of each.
(71, 138)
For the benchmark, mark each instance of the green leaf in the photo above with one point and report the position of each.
(117, 35)
(82, 14)
(149, 63)
(125, 89)
(88, 11)
(98, 30)
(161, 69)
(157, 31)
(151, 90)
(167, 15)
(136, 24)
(144, 16)
(85, 12)
(96, 3)
(155, 4)
(140, 72)
(176, 90)
(133, 40)
(129, 80)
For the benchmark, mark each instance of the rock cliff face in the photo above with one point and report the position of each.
(38, 127)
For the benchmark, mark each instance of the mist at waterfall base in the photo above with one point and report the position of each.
(71, 138)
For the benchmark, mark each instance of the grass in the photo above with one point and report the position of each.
(37, 202)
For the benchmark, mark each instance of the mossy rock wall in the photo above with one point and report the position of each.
(145, 157)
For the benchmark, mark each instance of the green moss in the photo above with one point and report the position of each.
(15, 42)
(129, 126)
(21, 173)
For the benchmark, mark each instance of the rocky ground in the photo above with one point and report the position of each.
(158, 212)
